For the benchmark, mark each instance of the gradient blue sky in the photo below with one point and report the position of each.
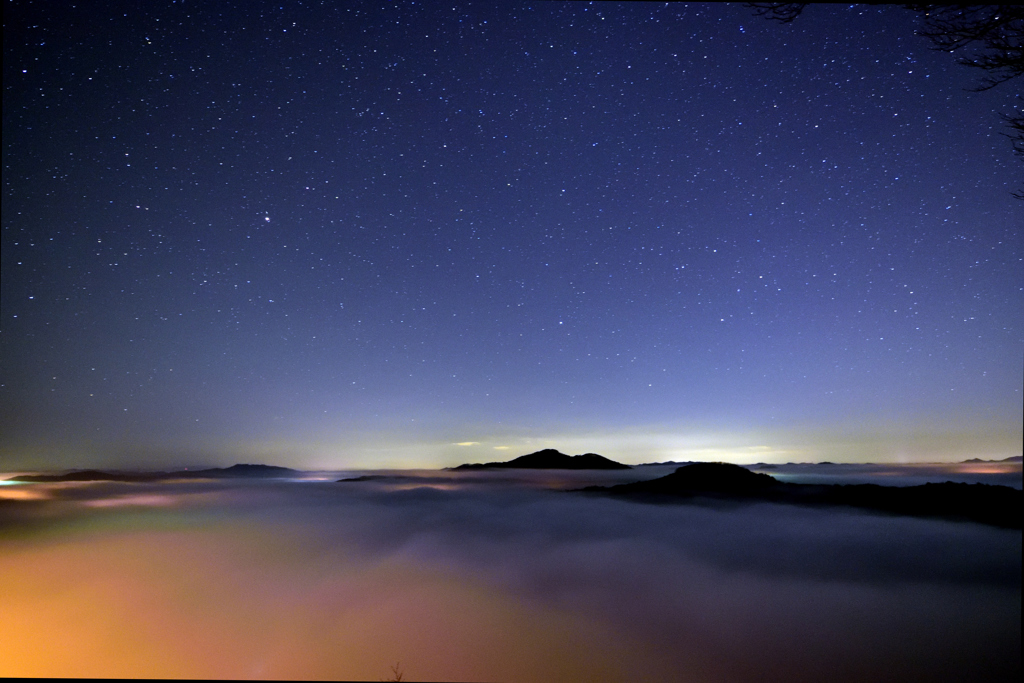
(340, 235)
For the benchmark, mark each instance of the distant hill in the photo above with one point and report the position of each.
(1012, 458)
(550, 459)
(703, 477)
(235, 471)
(994, 505)
(87, 475)
(243, 471)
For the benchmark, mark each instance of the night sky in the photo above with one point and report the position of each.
(343, 234)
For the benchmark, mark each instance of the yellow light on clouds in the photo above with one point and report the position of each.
(236, 603)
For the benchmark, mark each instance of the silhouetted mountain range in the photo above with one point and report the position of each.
(1012, 458)
(235, 471)
(550, 459)
(995, 505)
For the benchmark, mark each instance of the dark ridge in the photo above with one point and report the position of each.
(550, 459)
(704, 477)
(984, 503)
(245, 471)
(1012, 458)
(241, 470)
(87, 475)
(365, 477)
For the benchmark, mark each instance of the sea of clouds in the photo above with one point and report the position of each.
(491, 577)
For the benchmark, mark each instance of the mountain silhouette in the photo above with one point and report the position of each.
(985, 503)
(243, 470)
(550, 459)
(1012, 458)
(87, 475)
(235, 471)
(705, 477)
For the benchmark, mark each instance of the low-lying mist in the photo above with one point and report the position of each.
(490, 578)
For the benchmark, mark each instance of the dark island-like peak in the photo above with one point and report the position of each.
(551, 459)
(246, 470)
(719, 476)
(994, 505)
(704, 477)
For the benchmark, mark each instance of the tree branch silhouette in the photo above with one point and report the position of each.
(995, 33)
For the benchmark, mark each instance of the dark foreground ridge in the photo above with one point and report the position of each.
(235, 471)
(985, 503)
(550, 459)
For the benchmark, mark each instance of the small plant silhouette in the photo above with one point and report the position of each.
(396, 673)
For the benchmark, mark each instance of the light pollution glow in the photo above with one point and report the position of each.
(128, 607)
(634, 445)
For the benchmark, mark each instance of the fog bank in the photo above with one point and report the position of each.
(492, 581)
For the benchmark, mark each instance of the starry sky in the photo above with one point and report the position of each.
(419, 234)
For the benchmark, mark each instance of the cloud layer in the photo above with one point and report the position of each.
(495, 581)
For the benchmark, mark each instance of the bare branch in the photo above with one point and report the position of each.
(783, 12)
(996, 32)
